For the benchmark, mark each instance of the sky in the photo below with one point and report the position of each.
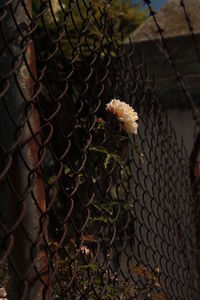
(157, 4)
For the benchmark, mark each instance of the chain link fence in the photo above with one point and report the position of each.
(88, 211)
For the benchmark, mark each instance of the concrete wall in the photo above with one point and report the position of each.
(183, 124)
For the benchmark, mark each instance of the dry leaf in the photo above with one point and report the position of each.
(159, 296)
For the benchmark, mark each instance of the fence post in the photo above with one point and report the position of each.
(24, 195)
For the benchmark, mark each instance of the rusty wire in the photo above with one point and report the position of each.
(83, 214)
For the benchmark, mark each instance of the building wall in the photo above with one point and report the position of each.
(184, 125)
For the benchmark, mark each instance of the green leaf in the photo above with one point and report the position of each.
(91, 266)
(107, 207)
(107, 160)
(95, 219)
(100, 149)
(116, 157)
(102, 207)
(109, 155)
(66, 170)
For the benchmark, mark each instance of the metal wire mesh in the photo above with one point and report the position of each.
(87, 210)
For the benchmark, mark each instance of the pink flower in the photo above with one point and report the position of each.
(85, 250)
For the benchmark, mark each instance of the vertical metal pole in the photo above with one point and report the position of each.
(19, 135)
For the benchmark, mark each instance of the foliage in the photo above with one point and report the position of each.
(82, 26)
(78, 29)
(93, 279)
(4, 277)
